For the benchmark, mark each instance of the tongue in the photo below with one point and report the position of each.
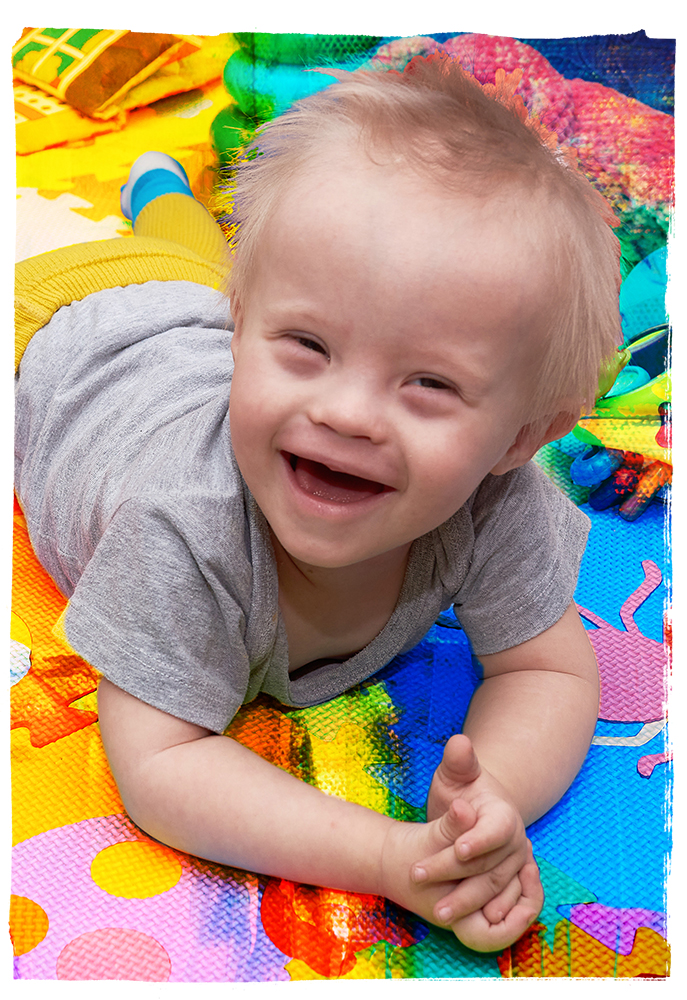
(337, 487)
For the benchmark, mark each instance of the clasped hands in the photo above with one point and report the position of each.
(470, 868)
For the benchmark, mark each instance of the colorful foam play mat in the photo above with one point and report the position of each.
(93, 897)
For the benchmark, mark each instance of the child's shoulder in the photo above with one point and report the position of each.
(525, 493)
(512, 517)
(123, 395)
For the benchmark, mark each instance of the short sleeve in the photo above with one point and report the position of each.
(529, 542)
(157, 621)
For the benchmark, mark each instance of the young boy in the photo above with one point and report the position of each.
(423, 294)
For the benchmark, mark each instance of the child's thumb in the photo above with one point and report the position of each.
(459, 763)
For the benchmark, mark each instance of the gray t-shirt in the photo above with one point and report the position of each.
(136, 508)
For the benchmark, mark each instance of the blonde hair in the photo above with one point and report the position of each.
(438, 120)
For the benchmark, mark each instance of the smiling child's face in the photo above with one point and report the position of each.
(384, 356)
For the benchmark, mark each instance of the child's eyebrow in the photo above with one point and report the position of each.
(297, 314)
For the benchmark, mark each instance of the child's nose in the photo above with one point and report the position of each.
(350, 409)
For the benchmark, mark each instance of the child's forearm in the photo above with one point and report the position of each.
(250, 814)
(528, 738)
(532, 727)
(211, 796)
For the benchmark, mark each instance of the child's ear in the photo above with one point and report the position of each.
(534, 436)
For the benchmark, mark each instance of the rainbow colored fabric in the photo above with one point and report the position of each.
(95, 898)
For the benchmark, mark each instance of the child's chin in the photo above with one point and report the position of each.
(329, 558)
(324, 554)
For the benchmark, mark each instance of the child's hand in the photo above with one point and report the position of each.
(482, 933)
(490, 854)
(512, 908)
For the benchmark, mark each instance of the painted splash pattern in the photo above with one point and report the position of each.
(94, 898)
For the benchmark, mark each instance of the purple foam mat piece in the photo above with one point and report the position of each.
(615, 926)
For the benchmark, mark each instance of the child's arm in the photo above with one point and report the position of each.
(532, 719)
(210, 796)
(530, 722)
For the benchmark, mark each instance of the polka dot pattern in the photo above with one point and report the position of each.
(136, 870)
(114, 953)
(28, 924)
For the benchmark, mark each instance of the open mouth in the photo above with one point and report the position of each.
(320, 481)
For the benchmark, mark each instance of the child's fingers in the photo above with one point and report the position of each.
(530, 883)
(498, 839)
(473, 893)
(495, 828)
(442, 834)
(456, 821)
(459, 767)
(446, 866)
(465, 844)
(478, 933)
(500, 906)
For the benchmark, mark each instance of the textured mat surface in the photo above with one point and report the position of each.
(94, 898)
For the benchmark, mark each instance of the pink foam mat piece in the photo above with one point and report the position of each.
(222, 941)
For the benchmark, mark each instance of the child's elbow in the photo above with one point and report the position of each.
(145, 750)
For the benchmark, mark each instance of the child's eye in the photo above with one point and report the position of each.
(427, 382)
(312, 345)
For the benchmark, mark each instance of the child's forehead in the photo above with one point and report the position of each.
(382, 178)
(375, 233)
(350, 203)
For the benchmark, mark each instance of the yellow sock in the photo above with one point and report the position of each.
(183, 220)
